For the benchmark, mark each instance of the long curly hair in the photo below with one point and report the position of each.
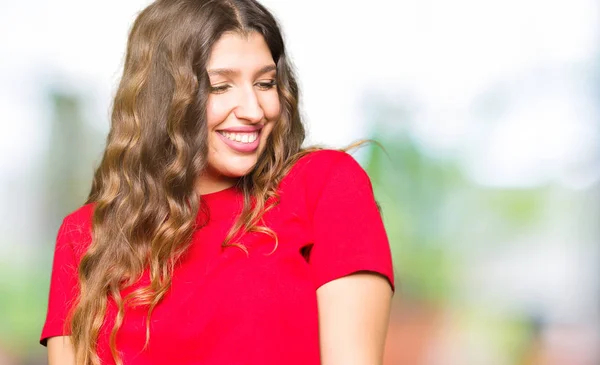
(143, 190)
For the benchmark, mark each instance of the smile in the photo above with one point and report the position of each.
(242, 137)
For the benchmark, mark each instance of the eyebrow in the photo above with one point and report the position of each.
(233, 72)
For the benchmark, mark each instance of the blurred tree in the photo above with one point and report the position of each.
(436, 218)
(64, 179)
(73, 148)
(412, 189)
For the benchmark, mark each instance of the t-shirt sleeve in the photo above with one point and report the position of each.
(63, 283)
(348, 231)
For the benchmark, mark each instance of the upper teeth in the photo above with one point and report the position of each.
(248, 137)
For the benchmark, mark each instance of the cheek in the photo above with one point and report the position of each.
(272, 109)
(271, 106)
(216, 112)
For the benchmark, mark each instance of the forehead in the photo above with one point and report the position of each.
(235, 51)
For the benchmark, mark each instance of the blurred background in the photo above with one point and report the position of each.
(489, 113)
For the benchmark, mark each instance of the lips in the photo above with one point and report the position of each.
(242, 129)
(242, 139)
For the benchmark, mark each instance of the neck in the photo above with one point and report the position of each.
(208, 183)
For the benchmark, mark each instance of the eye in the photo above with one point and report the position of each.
(219, 89)
(267, 85)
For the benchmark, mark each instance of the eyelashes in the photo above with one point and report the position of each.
(267, 85)
(264, 86)
(219, 89)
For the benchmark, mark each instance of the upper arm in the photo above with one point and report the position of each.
(352, 266)
(60, 351)
(353, 319)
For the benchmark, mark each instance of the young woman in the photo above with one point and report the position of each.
(210, 236)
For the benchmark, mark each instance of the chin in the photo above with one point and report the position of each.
(237, 166)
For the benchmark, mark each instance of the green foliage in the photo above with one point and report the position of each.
(22, 315)
(65, 174)
(518, 207)
(433, 213)
(411, 188)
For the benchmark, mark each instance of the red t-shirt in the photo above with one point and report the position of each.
(225, 307)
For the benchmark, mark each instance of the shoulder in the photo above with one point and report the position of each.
(79, 220)
(321, 165)
(76, 229)
(325, 171)
(324, 159)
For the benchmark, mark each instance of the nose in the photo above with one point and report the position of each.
(248, 107)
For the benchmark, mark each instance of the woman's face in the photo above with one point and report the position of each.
(243, 105)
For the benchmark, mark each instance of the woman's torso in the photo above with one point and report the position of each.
(226, 306)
